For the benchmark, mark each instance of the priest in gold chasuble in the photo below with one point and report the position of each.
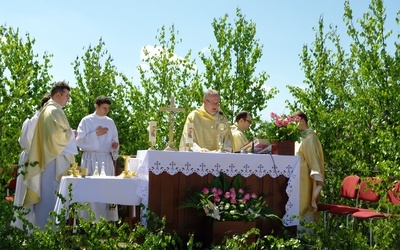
(312, 170)
(204, 120)
(53, 148)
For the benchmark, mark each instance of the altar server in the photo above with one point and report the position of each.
(98, 139)
(53, 148)
(204, 120)
(25, 140)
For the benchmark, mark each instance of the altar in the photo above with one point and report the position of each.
(171, 174)
(107, 189)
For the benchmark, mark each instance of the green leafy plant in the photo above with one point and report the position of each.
(280, 128)
(229, 202)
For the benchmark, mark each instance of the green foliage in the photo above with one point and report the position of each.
(164, 75)
(231, 67)
(24, 79)
(351, 97)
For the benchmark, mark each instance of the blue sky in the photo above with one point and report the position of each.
(64, 28)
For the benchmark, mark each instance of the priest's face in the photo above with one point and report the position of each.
(211, 104)
(103, 109)
(62, 98)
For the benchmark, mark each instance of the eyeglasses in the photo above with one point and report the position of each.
(249, 121)
(215, 103)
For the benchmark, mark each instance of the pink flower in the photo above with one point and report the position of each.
(205, 191)
(286, 121)
(227, 195)
(219, 191)
(217, 198)
(247, 196)
(279, 123)
(273, 115)
(233, 200)
(241, 191)
(214, 190)
(253, 195)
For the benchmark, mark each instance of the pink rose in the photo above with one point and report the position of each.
(205, 191)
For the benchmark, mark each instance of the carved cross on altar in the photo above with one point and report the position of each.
(172, 110)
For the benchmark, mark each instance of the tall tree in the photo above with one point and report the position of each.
(352, 95)
(231, 67)
(24, 79)
(163, 74)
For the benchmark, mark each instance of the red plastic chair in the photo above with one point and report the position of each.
(393, 197)
(365, 194)
(348, 190)
(12, 186)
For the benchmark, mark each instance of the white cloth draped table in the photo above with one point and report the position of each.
(107, 189)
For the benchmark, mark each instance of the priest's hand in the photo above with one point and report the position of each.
(101, 130)
(115, 145)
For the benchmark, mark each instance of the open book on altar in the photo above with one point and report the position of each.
(257, 146)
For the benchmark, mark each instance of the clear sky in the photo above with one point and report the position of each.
(65, 28)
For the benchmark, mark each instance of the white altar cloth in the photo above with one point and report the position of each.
(107, 189)
(246, 165)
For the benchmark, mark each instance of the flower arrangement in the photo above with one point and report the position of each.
(280, 128)
(229, 202)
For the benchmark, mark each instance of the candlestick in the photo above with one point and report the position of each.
(189, 135)
(152, 133)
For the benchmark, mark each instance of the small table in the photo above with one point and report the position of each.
(107, 189)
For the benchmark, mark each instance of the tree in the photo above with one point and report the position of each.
(96, 75)
(163, 75)
(231, 67)
(352, 96)
(24, 79)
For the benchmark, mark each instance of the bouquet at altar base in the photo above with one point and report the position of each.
(229, 202)
(280, 128)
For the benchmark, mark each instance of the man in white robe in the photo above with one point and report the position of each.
(53, 148)
(98, 139)
(25, 140)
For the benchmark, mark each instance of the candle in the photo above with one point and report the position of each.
(152, 131)
(189, 133)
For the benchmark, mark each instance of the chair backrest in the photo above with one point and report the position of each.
(349, 187)
(394, 194)
(13, 183)
(366, 191)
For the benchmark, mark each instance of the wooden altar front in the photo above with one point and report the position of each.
(171, 174)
